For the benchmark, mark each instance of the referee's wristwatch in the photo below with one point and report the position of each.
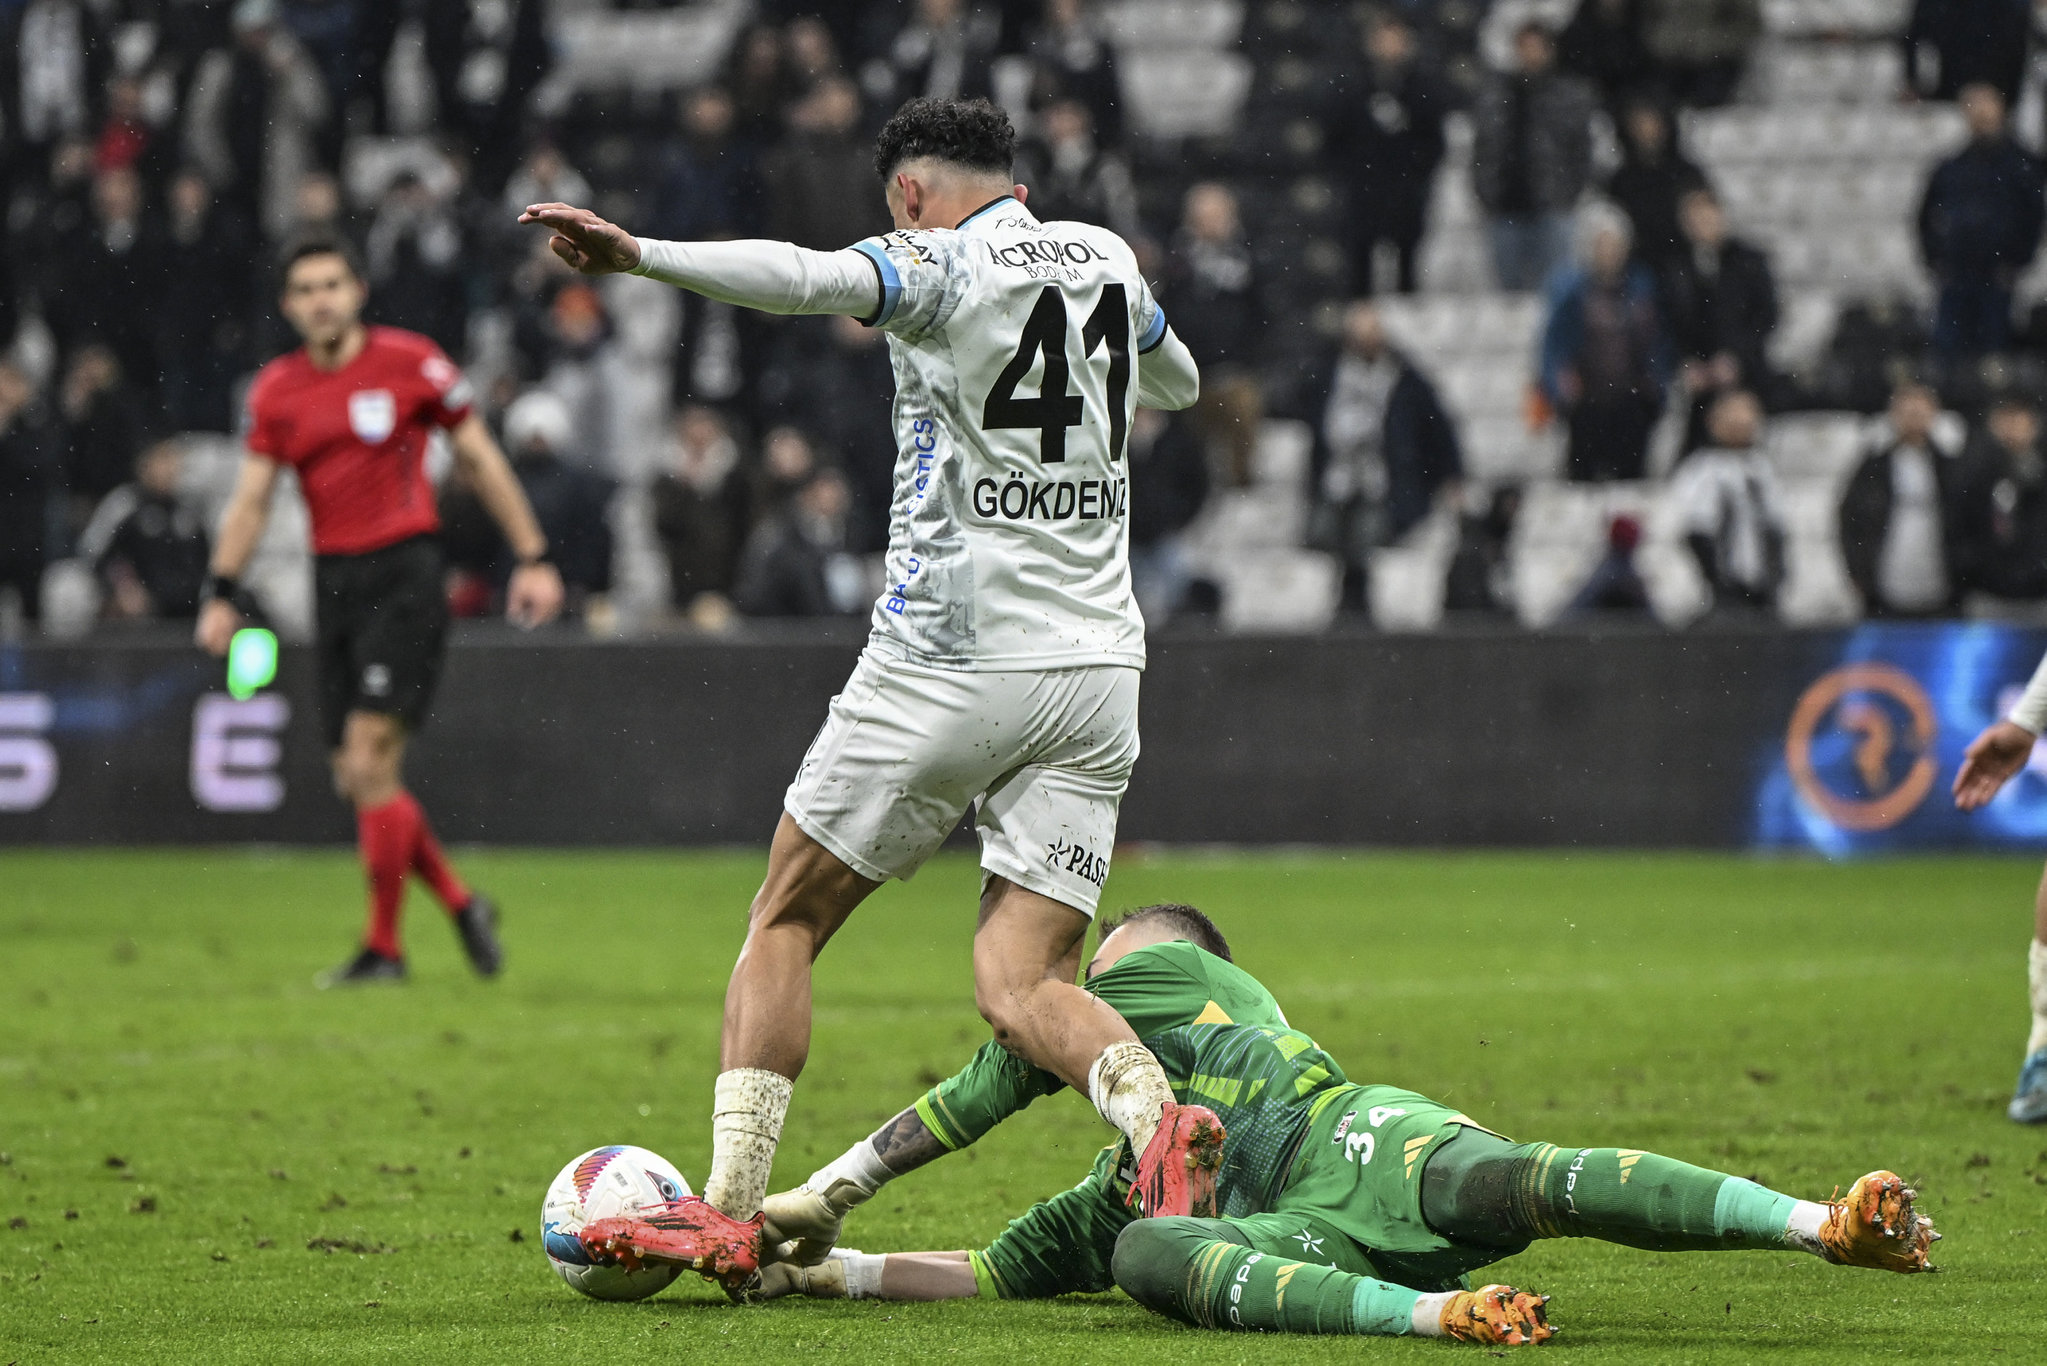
(225, 587)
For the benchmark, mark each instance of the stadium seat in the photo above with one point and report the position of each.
(1277, 591)
(1181, 94)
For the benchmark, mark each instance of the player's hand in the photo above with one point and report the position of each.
(803, 1225)
(590, 245)
(1992, 758)
(218, 622)
(534, 596)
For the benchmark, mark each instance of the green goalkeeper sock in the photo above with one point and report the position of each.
(1477, 1185)
(1199, 1271)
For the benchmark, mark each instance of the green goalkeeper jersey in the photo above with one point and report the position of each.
(1223, 1043)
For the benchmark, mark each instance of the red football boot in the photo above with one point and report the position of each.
(1176, 1175)
(689, 1232)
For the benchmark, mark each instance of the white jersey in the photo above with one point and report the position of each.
(1016, 345)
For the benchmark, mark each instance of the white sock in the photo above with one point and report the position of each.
(853, 1177)
(746, 1123)
(2036, 980)
(1428, 1314)
(1802, 1229)
(861, 1270)
(1130, 1089)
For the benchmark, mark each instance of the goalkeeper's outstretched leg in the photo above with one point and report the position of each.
(1204, 1272)
(1481, 1190)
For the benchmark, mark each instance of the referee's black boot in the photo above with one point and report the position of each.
(366, 966)
(477, 923)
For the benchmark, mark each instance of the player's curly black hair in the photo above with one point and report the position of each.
(970, 133)
(1183, 919)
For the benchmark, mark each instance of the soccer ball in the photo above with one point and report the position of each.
(598, 1185)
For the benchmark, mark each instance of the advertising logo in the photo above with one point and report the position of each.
(1860, 748)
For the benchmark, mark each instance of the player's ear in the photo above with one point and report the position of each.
(1022, 193)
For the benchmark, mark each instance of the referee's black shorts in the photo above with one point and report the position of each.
(382, 620)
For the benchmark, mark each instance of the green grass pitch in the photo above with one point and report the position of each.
(208, 1161)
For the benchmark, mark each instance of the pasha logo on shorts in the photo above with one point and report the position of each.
(376, 680)
(372, 414)
(1078, 859)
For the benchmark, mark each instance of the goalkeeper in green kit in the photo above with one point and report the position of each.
(1344, 1208)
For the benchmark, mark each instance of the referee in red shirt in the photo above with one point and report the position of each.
(351, 412)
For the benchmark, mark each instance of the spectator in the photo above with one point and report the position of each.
(127, 138)
(1651, 181)
(710, 188)
(788, 460)
(1480, 579)
(486, 59)
(943, 53)
(1897, 513)
(1615, 587)
(1721, 303)
(572, 505)
(1952, 44)
(1531, 159)
(761, 84)
(1070, 176)
(836, 374)
(1731, 511)
(1701, 46)
(1217, 303)
(253, 116)
(102, 428)
(821, 186)
(201, 315)
(2012, 559)
(545, 177)
(147, 545)
(700, 514)
(1384, 450)
(1603, 44)
(1979, 227)
(1389, 140)
(108, 282)
(415, 259)
(57, 50)
(1071, 60)
(29, 478)
(1604, 357)
(1169, 482)
(793, 564)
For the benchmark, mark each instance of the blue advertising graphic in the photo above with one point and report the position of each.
(1869, 752)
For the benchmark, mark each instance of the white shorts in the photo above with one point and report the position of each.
(1043, 756)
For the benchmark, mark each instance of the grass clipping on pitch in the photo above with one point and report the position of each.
(204, 1159)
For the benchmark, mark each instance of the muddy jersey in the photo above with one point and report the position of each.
(1016, 346)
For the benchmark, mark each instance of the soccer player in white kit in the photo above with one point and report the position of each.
(1992, 759)
(1002, 669)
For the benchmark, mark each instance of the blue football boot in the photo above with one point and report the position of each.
(2029, 1102)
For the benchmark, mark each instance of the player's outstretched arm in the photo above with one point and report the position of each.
(852, 1275)
(241, 527)
(773, 277)
(804, 1224)
(534, 595)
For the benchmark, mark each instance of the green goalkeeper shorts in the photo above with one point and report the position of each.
(1354, 1197)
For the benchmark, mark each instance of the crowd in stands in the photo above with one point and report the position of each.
(156, 155)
